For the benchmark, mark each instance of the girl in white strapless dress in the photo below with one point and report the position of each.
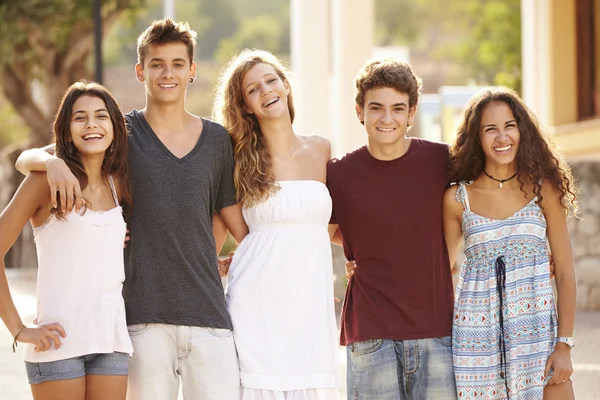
(280, 289)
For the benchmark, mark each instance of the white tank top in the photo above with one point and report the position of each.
(79, 283)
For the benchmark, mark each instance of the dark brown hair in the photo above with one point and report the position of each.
(537, 160)
(387, 72)
(115, 161)
(163, 32)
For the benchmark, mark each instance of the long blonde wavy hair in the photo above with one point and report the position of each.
(253, 174)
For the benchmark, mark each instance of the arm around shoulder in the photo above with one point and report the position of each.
(34, 159)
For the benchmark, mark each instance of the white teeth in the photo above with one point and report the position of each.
(167, 86)
(505, 148)
(268, 103)
(386, 129)
(92, 136)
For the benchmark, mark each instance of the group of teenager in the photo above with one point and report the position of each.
(141, 322)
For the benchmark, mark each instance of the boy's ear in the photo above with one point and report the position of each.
(139, 72)
(360, 113)
(411, 115)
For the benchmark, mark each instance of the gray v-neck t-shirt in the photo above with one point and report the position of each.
(171, 273)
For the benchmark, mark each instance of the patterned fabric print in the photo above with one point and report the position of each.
(528, 307)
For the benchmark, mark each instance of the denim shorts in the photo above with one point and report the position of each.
(76, 367)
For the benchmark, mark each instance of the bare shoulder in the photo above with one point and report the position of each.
(552, 198)
(34, 190)
(38, 181)
(319, 144)
(451, 202)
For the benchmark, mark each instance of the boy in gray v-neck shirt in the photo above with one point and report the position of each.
(170, 262)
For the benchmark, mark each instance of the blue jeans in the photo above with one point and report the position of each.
(76, 367)
(383, 369)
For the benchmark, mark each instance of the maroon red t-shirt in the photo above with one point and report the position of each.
(390, 215)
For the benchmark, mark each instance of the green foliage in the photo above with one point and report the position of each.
(262, 32)
(12, 129)
(30, 25)
(483, 36)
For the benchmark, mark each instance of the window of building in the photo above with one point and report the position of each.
(588, 58)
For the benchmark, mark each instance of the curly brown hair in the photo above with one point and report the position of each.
(388, 72)
(115, 161)
(537, 159)
(253, 175)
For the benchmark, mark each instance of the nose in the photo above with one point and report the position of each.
(386, 118)
(265, 89)
(502, 135)
(167, 72)
(91, 122)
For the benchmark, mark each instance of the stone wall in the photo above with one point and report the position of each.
(585, 235)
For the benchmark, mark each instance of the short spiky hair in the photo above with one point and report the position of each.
(166, 31)
(387, 72)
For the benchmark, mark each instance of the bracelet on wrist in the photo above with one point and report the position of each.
(14, 345)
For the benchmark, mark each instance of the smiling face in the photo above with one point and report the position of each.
(386, 115)
(499, 134)
(265, 93)
(166, 72)
(91, 127)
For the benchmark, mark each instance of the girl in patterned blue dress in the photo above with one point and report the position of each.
(510, 205)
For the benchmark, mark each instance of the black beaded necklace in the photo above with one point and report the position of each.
(500, 180)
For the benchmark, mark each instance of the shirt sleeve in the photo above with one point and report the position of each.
(333, 219)
(226, 195)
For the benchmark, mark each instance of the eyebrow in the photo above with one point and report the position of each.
(507, 122)
(253, 82)
(83, 111)
(162, 59)
(374, 103)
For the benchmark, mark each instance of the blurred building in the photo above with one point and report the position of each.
(561, 83)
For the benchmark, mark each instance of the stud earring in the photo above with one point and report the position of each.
(192, 80)
(112, 147)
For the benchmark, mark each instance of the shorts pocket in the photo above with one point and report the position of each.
(366, 347)
(137, 329)
(220, 332)
(444, 340)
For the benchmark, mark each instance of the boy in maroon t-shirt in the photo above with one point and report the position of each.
(387, 203)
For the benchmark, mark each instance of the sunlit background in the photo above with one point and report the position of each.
(548, 50)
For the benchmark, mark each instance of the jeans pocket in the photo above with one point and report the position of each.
(365, 347)
(444, 340)
(137, 329)
(220, 332)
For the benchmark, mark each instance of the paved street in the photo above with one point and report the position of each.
(13, 381)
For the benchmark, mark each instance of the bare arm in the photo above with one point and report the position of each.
(562, 254)
(232, 216)
(335, 234)
(35, 159)
(31, 196)
(60, 178)
(453, 234)
(219, 232)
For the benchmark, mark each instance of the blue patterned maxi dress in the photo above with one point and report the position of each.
(504, 315)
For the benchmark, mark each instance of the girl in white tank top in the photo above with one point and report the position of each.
(80, 345)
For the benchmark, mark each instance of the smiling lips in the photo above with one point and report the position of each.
(93, 136)
(167, 85)
(270, 102)
(503, 149)
(386, 129)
